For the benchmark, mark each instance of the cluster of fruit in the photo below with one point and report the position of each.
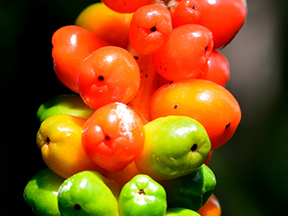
(150, 107)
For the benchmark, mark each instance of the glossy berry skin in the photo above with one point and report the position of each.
(126, 6)
(109, 75)
(109, 25)
(71, 45)
(223, 18)
(113, 136)
(211, 207)
(186, 12)
(184, 53)
(207, 102)
(59, 139)
(149, 27)
(144, 196)
(217, 69)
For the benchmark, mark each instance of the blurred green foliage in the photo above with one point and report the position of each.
(251, 169)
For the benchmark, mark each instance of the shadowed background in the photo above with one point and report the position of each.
(251, 169)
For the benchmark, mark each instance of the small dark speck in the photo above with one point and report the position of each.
(227, 126)
(77, 207)
(100, 78)
(141, 191)
(136, 57)
(176, 106)
(153, 29)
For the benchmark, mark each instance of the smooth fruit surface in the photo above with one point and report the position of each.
(181, 212)
(71, 45)
(71, 104)
(149, 27)
(224, 18)
(207, 102)
(211, 207)
(113, 136)
(110, 74)
(107, 24)
(41, 193)
(174, 146)
(59, 139)
(186, 12)
(142, 196)
(184, 52)
(191, 191)
(217, 69)
(86, 193)
(126, 6)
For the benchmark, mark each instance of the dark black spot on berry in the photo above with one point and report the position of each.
(170, 82)
(141, 191)
(100, 78)
(206, 48)
(176, 106)
(227, 126)
(136, 57)
(77, 207)
(193, 7)
(194, 147)
(146, 75)
(107, 138)
(153, 29)
(48, 140)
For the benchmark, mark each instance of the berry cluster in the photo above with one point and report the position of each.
(149, 108)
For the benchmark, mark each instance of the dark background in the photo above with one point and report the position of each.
(251, 168)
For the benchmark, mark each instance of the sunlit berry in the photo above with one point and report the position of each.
(110, 74)
(185, 52)
(217, 69)
(186, 12)
(223, 18)
(126, 6)
(207, 102)
(149, 27)
(113, 136)
(71, 45)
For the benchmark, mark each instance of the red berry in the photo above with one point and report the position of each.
(149, 27)
(223, 18)
(126, 6)
(71, 45)
(186, 12)
(217, 69)
(184, 53)
(109, 75)
(113, 136)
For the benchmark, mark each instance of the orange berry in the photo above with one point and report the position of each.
(107, 24)
(207, 102)
(211, 207)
